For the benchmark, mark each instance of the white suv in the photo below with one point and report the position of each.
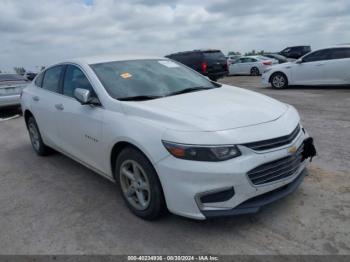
(167, 135)
(327, 66)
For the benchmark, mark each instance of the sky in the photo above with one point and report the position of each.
(43, 32)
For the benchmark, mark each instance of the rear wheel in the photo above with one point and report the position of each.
(279, 80)
(35, 137)
(254, 71)
(139, 184)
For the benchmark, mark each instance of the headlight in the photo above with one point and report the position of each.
(202, 153)
(267, 70)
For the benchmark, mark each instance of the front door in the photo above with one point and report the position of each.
(80, 126)
(310, 70)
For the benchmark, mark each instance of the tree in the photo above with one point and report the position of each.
(233, 53)
(19, 70)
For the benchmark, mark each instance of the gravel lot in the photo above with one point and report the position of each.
(54, 205)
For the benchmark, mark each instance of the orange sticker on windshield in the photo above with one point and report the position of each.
(126, 75)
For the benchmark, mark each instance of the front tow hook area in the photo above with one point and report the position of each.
(309, 150)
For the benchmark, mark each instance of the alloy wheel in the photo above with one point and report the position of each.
(135, 185)
(254, 71)
(34, 136)
(278, 81)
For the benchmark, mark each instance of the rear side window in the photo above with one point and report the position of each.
(52, 79)
(39, 80)
(216, 55)
(340, 53)
(75, 78)
(307, 49)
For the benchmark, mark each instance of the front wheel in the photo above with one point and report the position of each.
(279, 81)
(139, 184)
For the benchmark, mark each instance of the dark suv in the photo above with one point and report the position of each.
(295, 51)
(211, 63)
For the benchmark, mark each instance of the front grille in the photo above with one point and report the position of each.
(277, 169)
(274, 142)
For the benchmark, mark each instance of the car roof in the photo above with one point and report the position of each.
(108, 58)
(333, 46)
(195, 51)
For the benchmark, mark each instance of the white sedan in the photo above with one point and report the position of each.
(327, 66)
(250, 65)
(168, 136)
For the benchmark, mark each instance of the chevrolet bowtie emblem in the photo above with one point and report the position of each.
(292, 149)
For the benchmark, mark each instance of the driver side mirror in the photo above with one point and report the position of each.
(84, 97)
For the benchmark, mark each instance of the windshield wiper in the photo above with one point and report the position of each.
(189, 90)
(138, 98)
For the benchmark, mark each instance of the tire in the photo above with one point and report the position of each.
(279, 80)
(35, 138)
(254, 71)
(140, 186)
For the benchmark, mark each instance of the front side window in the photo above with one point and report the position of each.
(52, 79)
(39, 80)
(151, 78)
(75, 78)
(340, 53)
(317, 56)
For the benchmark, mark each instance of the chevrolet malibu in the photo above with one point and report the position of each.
(168, 136)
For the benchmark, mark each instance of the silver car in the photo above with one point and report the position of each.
(11, 86)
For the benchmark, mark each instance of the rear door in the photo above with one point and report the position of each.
(337, 68)
(44, 104)
(246, 65)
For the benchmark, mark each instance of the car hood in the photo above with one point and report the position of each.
(209, 110)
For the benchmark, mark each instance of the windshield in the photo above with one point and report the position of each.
(149, 78)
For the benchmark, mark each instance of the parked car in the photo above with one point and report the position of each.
(167, 135)
(280, 58)
(232, 58)
(211, 63)
(30, 75)
(249, 66)
(327, 66)
(11, 86)
(295, 51)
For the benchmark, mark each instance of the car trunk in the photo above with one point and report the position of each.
(216, 61)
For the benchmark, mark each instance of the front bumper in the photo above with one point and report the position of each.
(185, 181)
(254, 204)
(10, 100)
(265, 80)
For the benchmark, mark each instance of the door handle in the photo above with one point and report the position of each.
(59, 107)
(36, 98)
(319, 64)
